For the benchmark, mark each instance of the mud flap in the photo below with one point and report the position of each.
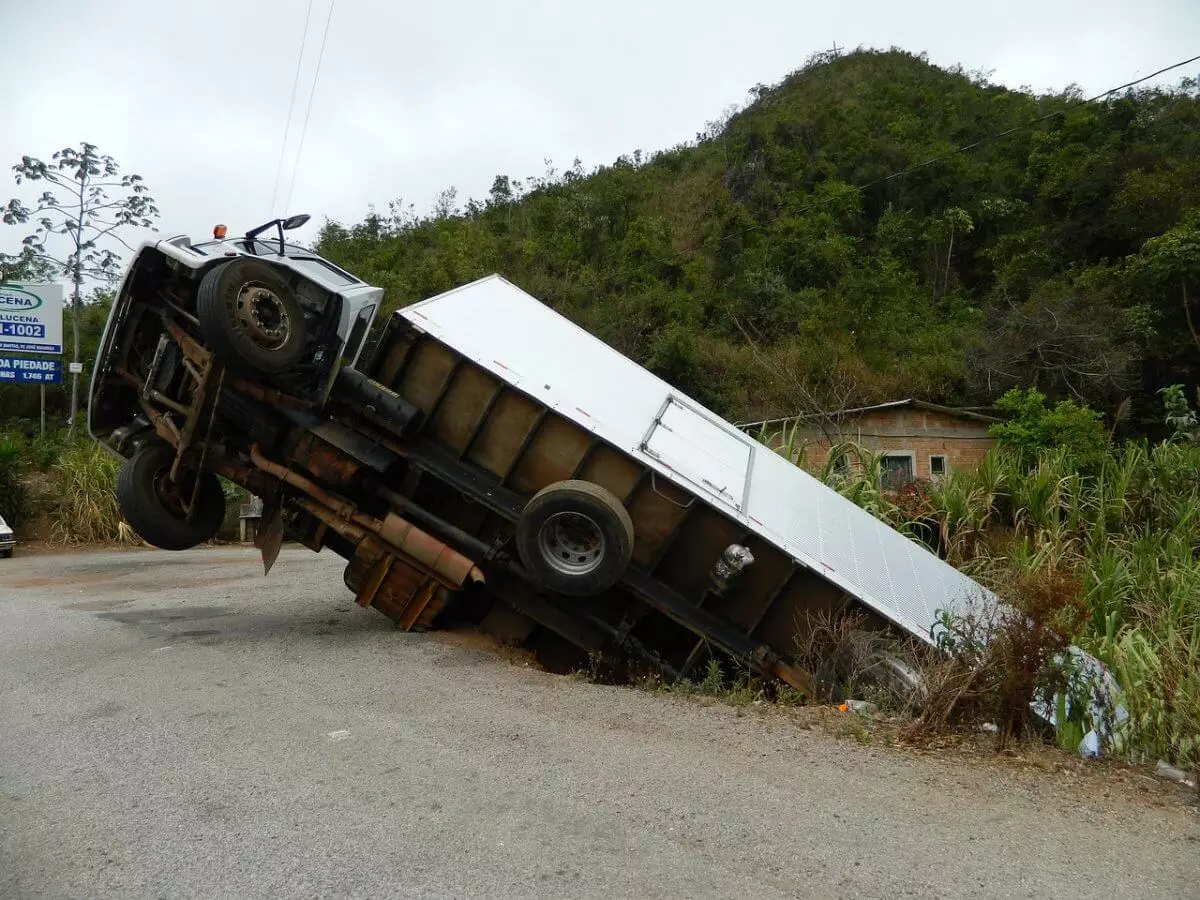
(270, 539)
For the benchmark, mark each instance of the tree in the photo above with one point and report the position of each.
(25, 266)
(78, 206)
(1180, 418)
(942, 230)
(1172, 260)
(1033, 428)
(1068, 337)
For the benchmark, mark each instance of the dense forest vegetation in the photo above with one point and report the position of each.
(775, 264)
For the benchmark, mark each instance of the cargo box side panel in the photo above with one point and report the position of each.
(572, 374)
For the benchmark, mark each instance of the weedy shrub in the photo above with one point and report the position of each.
(850, 659)
(44, 452)
(999, 659)
(82, 504)
(14, 496)
(742, 689)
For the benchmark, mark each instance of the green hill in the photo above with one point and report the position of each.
(773, 265)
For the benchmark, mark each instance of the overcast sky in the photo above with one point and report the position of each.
(415, 97)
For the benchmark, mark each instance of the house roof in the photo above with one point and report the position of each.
(959, 411)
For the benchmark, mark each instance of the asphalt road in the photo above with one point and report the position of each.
(174, 725)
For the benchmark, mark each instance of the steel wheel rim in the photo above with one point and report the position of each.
(169, 492)
(262, 315)
(571, 543)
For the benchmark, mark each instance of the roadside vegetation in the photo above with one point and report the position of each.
(60, 489)
(1091, 543)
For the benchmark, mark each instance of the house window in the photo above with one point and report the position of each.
(897, 470)
(937, 466)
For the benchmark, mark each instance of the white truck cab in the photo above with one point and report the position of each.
(270, 311)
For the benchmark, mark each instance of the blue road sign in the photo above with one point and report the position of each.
(31, 318)
(29, 371)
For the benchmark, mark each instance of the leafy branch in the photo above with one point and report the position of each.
(87, 201)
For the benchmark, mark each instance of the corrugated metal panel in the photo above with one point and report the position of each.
(524, 342)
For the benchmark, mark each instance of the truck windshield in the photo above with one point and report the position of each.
(302, 257)
(262, 247)
(322, 270)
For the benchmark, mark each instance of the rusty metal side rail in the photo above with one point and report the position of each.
(420, 547)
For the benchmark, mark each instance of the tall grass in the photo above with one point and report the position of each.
(1127, 533)
(82, 504)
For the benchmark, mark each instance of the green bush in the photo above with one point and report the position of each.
(1182, 422)
(1034, 428)
(14, 496)
(43, 452)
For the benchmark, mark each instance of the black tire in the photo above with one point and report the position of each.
(251, 318)
(6, 554)
(149, 503)
(575, 538)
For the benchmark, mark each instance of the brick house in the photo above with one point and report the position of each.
(919, 439)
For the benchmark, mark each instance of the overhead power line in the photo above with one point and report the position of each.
(287, 127)
(308, 110)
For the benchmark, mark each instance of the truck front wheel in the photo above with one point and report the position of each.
(251, 318)
(575, 538)
(157, 507)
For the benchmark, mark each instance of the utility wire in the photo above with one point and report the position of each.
(308, 110)
(291, 106)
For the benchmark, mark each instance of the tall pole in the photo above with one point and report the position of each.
(77, 278)
(43, 387)
(75, 300)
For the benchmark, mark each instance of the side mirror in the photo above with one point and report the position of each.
(292, 222)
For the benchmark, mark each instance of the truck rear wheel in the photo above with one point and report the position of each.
(156, 506)
(251, 318)
(575, 538)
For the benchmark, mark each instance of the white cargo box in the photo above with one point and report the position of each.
(526, 343)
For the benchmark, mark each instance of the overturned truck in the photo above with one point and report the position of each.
(486, 459)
